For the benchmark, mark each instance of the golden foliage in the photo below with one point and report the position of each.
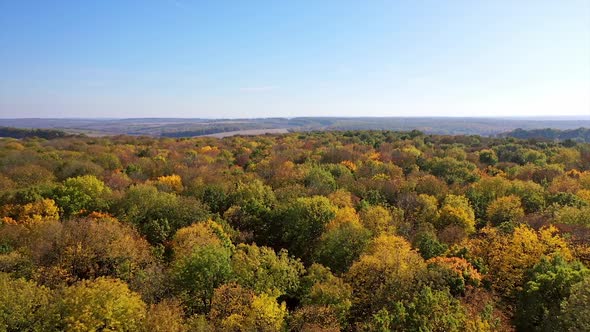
(7, 221)
(377, 219)
(234, 308)
(207, 149)
(165, 316)
(344, 215)
(374, 156)
(341, 198)
(198, 235)
(170, 183)
(509, 256)
(505, 209)
(38, 211)
(384, 273)
(456, 211)
(349, 164)
(103, 304)
(458, 265)
(584, 194)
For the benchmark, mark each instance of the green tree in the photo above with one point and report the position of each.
(251, 206)
(158, 215)
(452, 170)
(488, 157)
(264, 271)
(216, 198)
(320, 181)
(485, 191)
(195, 276)
(304, 221)
(575, 309)
(343, 241)
(532, 195)
(83, 193)
(550, 283)
(573, 216)
(254, 193)
(430, 310)
(429, 246)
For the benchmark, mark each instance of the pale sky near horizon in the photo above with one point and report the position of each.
(213, 59)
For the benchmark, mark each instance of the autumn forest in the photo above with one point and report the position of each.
(307, 231)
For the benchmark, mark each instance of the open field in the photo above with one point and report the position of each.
(250, 132)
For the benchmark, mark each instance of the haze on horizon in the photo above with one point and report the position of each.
(229, 59)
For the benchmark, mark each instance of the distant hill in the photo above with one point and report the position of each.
(577, 135)
(173, 127)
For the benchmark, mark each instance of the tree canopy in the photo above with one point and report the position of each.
(305, 231)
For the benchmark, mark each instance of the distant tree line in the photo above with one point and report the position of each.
(25, 133)
(576, 135)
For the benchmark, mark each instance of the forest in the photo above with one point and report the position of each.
(305, 231)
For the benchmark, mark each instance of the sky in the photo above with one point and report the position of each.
(250, 59)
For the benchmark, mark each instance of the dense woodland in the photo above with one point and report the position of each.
(321, 231)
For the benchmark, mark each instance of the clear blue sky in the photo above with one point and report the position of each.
(181, 58)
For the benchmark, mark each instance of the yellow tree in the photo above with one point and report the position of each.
(341, 198)
(377, 219)
(385, 273)
(453, 272)
(169, 183)
(165, 316)
(234, 308)
(509, 256)
(505, 210)
(38, 211)
(24, 306)
(103, 304)
(309, 318)
(197, 235)
(456, 219)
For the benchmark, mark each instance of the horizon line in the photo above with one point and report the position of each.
(508, 117)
